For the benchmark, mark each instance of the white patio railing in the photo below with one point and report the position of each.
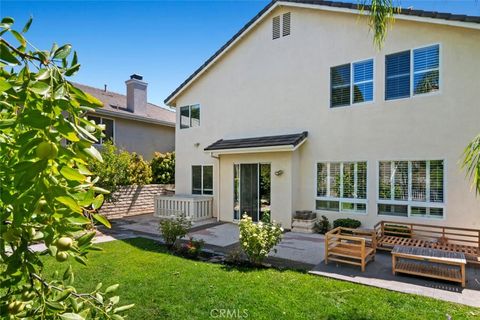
(194, 207)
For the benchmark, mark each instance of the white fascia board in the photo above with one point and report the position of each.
(145, 119)
(284, 148)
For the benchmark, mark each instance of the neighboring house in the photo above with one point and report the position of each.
(131, 122)
(299, 111)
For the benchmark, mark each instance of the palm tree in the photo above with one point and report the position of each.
(380, 17)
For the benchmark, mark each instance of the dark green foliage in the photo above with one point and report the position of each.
(163, 168)
(347, 223)
(322, 226)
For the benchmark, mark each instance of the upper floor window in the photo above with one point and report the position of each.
(411, 188)
(400, 82)
(189, 116)
(108, 132)
(342, 186)
(281, 25)
(202, 180)
(351, 83)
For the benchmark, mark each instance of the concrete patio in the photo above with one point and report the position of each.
(306, 251)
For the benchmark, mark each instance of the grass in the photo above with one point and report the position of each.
(164, 286)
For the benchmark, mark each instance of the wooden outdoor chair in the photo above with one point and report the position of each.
(352, 246)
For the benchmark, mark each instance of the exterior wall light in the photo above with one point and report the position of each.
(278, 173)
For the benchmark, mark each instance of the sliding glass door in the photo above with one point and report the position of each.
(251, 190)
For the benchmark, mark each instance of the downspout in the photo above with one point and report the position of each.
(219, 181)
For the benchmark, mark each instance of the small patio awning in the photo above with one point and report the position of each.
(286, 142)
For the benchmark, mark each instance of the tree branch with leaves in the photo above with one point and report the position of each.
(47, 193)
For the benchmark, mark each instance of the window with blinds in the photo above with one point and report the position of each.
(426, 66)
(351, 83)
(397, 75)
(342, 186)
(362, 81)
(340, 86)
(411, 188)
(401, 81)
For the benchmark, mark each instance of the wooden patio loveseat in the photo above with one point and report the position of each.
(467, 241)
(352, 246)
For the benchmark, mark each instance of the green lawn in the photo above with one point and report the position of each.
(168, 287)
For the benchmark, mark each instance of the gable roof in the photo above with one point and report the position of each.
(282, 141)
(115, 105)
(407, 14)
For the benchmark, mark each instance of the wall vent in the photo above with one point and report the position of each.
(286, 24)
(276, 27)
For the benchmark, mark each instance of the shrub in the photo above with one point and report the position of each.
(347, 223)
(173, 229)
(120, 168)
(192, 248)
(139, 171)
(258, 239)
(322, 226)
(163, 168)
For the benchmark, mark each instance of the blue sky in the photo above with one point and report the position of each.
(165, 41)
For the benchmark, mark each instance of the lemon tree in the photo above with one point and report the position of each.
(47, 194)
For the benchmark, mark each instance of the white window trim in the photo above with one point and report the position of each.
(409, 203)
(412, 95)
(341, 200)
(352, 83)
(202, 191)
(189, 116)
(100, 142)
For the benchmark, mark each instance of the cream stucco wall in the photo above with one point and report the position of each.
(267, 87)
(143, 138)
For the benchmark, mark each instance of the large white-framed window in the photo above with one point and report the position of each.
(342, 187)
(411, 188)
(189, 116)
(202, 179)
(412, 72)
(352, 83)
(108, 132)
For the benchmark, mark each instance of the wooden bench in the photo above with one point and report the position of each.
(433, 263)
(352, 246)
(467, 241)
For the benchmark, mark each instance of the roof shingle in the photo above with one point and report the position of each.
(117, 103)
(258, 142)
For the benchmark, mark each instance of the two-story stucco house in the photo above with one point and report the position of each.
(299, 111)
(131, 122)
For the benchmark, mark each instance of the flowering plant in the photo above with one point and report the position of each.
(258, 239)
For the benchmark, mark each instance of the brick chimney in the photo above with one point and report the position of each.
(136, 94)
